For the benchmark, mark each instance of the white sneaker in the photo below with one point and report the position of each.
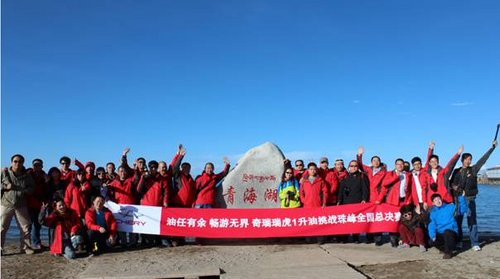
(36, 246)
(476, 248)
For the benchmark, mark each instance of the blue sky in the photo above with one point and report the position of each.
(318, 78)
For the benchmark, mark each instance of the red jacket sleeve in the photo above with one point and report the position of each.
(90, 220)
(68, 195)
(111, 223)
(366, 168)
(324, 189)
(429, 154)
(79, 165)
(76, 223)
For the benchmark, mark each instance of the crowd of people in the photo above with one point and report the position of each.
(433, 199)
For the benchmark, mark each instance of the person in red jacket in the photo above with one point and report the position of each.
(313, 193)
(67, 174)
(339, 170)
(35, 200)
(420, 182)
(396, 191)
(206, 182)
(66, 225)
(440, 176)
(76, 194)
(110, 171)
(375, 173)
(184, 186)
(152, 192)
(101, 227)
(124, 191)
(331, 180)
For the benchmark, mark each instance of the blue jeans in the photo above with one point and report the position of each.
(471, 222)
(35, 227)
(69, 245)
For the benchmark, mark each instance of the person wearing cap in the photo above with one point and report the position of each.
(65, 226)
(67, 174)
(16, 183)
(440, 176)
(76, 194)
(465, 178)
(35, 200)
(443, 228)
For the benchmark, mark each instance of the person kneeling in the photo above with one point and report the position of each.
(66, 225)
(443, 228)
(101, 225)
(411, 228)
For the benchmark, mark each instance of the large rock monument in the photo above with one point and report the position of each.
(253, 183)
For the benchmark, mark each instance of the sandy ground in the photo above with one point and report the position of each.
(260, 259)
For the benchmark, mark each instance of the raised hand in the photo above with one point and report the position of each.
(460, 149)
(226, 161)
(361, 150)
(126, 151)
(432, 144)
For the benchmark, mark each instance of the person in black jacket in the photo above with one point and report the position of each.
(353, 189)
(466, 179)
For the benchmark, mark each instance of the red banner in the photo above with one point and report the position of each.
(262, 223)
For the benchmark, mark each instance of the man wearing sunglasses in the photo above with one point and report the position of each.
(16, 183)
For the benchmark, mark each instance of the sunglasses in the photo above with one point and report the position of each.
(63, 163)
(299, 165)
(100, 173)
(17, 161)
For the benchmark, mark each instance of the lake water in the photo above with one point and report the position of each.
(487, 202)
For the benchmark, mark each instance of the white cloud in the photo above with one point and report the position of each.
(462, 104)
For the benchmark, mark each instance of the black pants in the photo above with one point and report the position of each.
(97, 239)
(446, 241)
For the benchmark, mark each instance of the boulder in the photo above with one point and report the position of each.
(254, 182)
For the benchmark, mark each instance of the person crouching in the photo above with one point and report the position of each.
(101, 225)
(411, 228)
(66, 225)
(443, 228)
